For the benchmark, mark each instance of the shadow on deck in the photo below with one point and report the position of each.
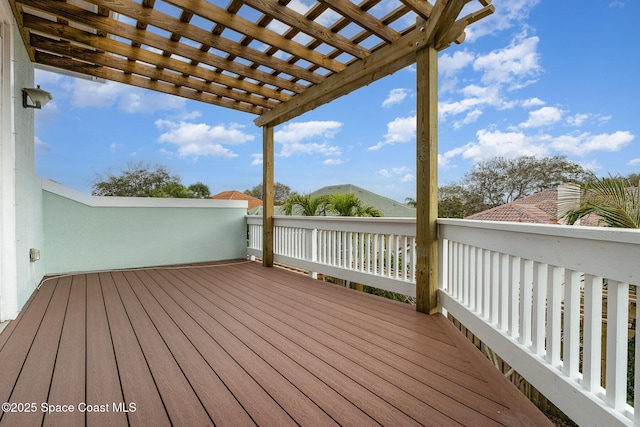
(238, 344)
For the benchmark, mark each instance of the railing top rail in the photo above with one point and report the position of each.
(405, 226)
(600, 251)
(621, 235)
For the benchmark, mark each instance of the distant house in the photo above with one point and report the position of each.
(236, 195)
(388, 207)
(539, 208)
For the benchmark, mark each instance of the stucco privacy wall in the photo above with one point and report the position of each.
(85, 233)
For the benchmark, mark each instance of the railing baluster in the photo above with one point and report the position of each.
(452, 269)
(486, 283)
(466, 267)
(361, 253)
(571, 333)
(505, 275)
(554, 315)
(617, 321)
(495, 287)
(472, 277)
(539, 304)
(514, 295)
(526, 301)
(592, 341)
(373, 253)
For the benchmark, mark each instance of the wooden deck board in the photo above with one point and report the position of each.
(363, 358)
(237, 344)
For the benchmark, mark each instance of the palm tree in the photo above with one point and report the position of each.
(347, 204)
(308, 204)
(613, 199)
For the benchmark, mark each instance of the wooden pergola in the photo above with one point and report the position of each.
(265, 58)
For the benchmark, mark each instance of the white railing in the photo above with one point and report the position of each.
(521, 289)
(373, 251)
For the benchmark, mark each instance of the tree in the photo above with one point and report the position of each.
(199, 190)
(348, 204)
(634, 179)
(144, 180)
(613, 199)
(306, 205)
(455, 201)
(410, 201)
(280, 192)
(502, 180)
(341, 204)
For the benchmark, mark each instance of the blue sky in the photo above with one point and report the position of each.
(538, 77)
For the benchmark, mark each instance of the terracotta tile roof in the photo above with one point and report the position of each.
(539, 208)
(236, 195)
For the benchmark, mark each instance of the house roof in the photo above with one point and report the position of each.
(388, 207)
(539, 208)
(236, 195)
(265, 58)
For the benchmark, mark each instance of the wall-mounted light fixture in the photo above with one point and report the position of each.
(38, 97)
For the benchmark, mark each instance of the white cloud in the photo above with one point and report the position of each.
(127, 98)
(40, 144)
(46, 78)
(449, 65)
(257, 159)
(399, 130)
(578, 119)
(494, 143)
(93, 94)
(591, 165)
(200, 139)
(515, 66)
(634, 161)
(114, 147)
(401, 173)
(608, 142)
(507, 144)
(396, 96)
(544, 116)
(585, 143)
(148, 102)
(532, 102)
(295, 132)
(471, 117)
(507, 15)
(332, 162)
(407, 178)
(292, 136)
(495, 74)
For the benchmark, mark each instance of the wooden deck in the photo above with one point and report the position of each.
(239, 344)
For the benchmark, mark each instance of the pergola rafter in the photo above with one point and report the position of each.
(262, 57)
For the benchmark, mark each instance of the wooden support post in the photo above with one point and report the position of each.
(267, 200)
(427, 180)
